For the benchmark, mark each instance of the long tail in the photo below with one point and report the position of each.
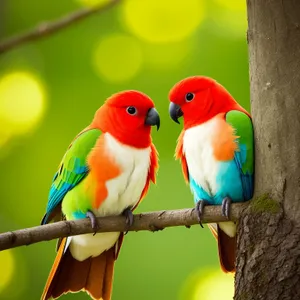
(226, 247)
(93, 275)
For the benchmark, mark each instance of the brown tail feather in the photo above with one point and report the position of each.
(109, 271)
(99, 281)
(227, 247)
(93, 275)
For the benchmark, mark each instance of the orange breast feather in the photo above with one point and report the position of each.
(224, 140)
(103, 168)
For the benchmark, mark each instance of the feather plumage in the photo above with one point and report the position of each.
(93, 275)
(230, 174)
(106, 169)
(216, 150)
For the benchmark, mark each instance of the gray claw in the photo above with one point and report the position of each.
(129, 218)
(200, 209)
(89, 214)
(226, 207)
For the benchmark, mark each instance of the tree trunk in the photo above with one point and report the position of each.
(268, 256)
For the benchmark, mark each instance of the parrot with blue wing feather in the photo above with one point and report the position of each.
(106, 171)
(216, 150)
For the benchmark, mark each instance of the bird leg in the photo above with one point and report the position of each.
(200, 209)
(226, 203)
(89, 214)
(128, 218)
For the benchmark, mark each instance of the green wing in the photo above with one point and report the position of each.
(73, 168)
(245, 157)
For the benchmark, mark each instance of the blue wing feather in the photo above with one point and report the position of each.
(246, 178)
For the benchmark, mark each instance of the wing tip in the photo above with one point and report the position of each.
(45, 219)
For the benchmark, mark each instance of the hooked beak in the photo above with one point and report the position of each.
(175, 112)
(152, 118)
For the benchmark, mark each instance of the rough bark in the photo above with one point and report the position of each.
(268, 256)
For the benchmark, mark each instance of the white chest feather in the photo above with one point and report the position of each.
(198, 149)
(123, 191)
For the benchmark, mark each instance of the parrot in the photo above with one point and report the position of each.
(106, 171)
(216, 151)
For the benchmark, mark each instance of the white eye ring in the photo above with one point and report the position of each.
(131, 110)
(189, 97)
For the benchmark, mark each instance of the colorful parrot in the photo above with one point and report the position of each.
(106, 171)
(216, 149)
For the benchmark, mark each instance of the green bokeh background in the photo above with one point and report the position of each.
(159, 265)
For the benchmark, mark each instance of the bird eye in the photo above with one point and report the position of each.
(131, 110)
(189, 97)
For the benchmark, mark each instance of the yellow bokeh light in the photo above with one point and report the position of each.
(91, 3)
(208, 284)
(118, 58)
(22, 102)
(7, 263)
(230, 18)
(215, 285)
(157, 21)
(166, 56)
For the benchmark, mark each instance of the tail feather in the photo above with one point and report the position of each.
(71, 276)
(226, 248)
(95, 287)
(109, 271)
(213, 229)
(48, 287)
(93, 275)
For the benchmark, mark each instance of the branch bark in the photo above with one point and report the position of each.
(152, 221)
(268, 252)
(48, 28)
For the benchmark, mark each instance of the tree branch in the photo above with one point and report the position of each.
(152, 221)
(47, 28)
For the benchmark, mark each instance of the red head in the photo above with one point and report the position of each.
(128, 116)
(199, 99)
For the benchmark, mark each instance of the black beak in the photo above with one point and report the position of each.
(175, 112)
(152, 118)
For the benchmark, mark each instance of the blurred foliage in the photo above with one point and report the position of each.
(49, 91)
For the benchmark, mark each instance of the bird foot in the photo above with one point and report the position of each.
(128, 218)
(93, 220)
(226, 203)
(200, 209)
